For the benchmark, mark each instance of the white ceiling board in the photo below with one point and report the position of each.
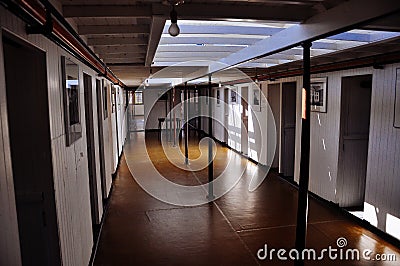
(316, 26)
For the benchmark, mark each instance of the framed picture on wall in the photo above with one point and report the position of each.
(233, 96)
(396, 122)
(256, 99)
(113, 97)
(71, 103)
(318, 92)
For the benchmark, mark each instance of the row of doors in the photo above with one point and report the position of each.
(30, 145)
(353, 139)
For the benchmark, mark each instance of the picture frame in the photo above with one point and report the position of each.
(233, 96)
(70, 85)
(256, 99)
(318, 95)
(113, 99)
(396, 118)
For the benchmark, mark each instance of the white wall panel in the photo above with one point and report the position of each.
(153, 109)
(107, 138)
(383, 182)
(219, 114)
(9, 242)
(96, 145)
(70, 167)
(325, 132)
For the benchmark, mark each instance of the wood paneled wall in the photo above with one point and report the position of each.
(71, 181)
(325, 132)
(383, 169)
(383, 178)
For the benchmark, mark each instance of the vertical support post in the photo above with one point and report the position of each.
(170, 116)
(198, 111)
(186, 114)
(174, 116)
(210, 144)
(302, 203)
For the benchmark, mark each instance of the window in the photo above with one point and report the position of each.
(70, 86)
(138, 98)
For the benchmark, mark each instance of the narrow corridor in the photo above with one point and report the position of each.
(141, 230)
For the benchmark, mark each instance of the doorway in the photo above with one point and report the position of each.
(244, 98)
(226, 116)
(30, 144)
(274, 100)
(136, 112)
(90, 144)
(288, 130)
(100, 102)
(354, 135)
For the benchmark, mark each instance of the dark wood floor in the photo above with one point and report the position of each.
(141, 230)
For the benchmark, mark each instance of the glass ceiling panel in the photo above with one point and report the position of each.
(214, 40)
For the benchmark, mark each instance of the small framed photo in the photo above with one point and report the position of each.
(256, 99)
(233, 96)
(71, 91)
(318, 92)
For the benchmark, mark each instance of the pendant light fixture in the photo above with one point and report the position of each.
(174, 28)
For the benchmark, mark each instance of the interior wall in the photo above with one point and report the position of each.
(272, 92)
(219, 114)
(153, 108)
(9, 242)
(139, 109)
(382, 205)
(70, 168)
(113, 129)
(96, 150)
(121, 119)
(299, 85)
(108, 149)
(234, 121)
(325, 132)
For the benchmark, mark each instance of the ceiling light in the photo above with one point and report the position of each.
(174, 28)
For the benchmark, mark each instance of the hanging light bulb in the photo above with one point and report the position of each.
(174, 28)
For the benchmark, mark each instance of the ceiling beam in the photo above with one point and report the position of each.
(139, 11)
(224, 30)
(112, 29)
(122, 56)
(119, 49)
(124, 65)
(209, 40)
(157, 26)
(116, 41)
(293, 13)
(198, 48)
(390, 23)
(124, 61)
(317, 27)
(183, 54)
